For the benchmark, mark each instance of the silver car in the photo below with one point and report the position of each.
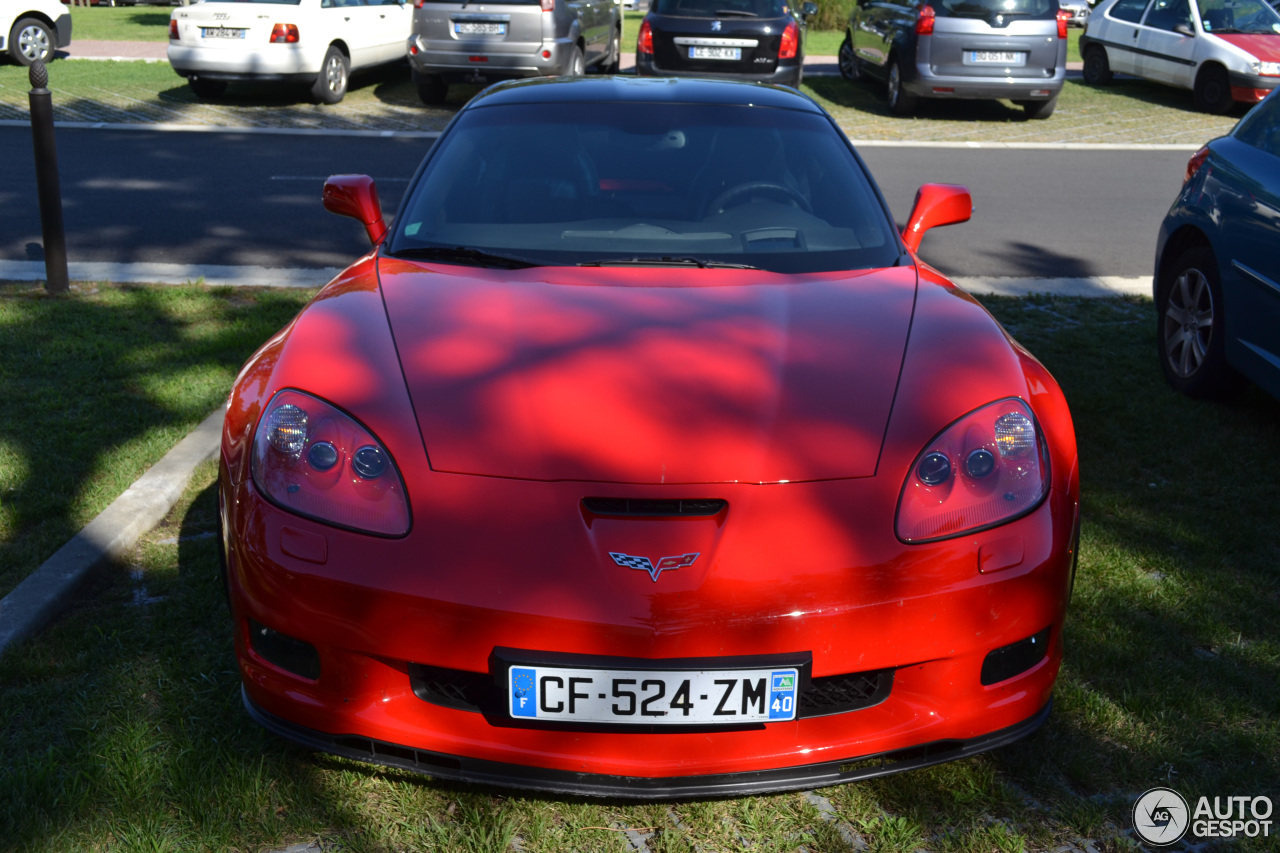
(1014, 49)
(468, 42)
(1078, 10)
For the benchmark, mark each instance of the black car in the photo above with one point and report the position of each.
(760, 40)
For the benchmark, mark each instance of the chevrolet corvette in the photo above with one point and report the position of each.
(642, 456)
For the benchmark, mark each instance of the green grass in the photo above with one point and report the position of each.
(120, 23)
(122, 730)
(100, 384)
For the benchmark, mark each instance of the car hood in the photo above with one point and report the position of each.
(1262, 46)
(650, 375)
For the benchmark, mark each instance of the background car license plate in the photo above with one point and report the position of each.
(715, 53)
(652, 698)
(997, 57)
(221, 33)
(477, 28)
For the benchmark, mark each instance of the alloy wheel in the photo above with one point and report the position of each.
(1188, 323)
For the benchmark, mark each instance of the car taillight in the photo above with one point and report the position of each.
(790, 42)
(987, 468)
(417, 4)
(173, 30)
(924, 20)
(1196, 161)
(314, 460)
(644, 42)
(284, 34)
(548, 5)
(1063, 17)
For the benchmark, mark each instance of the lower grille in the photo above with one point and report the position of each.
(819, 697)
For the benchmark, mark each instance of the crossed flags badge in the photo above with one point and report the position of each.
(654, 569)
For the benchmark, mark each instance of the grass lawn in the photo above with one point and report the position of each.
(119, 23)
(99, 385)
(122, 727)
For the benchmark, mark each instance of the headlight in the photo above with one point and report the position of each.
(314, 460)
(1268, 69)
(987, 468)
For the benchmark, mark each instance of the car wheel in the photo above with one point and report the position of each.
(576, 63)
(29, 40)
(331, 86)
(1039, 109)
(1097, 68)
(432, 89)
(848, 60)
(1189, 327)
(901, 103)
(207, 90)
(1213, 90)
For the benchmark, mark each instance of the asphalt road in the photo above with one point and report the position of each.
(235, 198)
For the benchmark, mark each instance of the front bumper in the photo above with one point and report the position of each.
(62, 27)
(463, 769)
(1250, 88)
(776, 580)
(786, 74)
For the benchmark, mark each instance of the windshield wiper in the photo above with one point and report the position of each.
(667, 262)
(464, 255)
(734, 13)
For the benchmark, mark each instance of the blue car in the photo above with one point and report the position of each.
(1217, 276)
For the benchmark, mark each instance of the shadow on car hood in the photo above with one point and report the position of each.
(650, 375)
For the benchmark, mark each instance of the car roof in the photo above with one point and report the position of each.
(642, 90)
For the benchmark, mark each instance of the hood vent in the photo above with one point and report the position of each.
(651, 508)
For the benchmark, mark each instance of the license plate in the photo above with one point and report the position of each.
(715, 53)
(652, 698)
(997, 57)
(471, 28)
(221, 33)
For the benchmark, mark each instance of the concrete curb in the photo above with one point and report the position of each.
(39, 598)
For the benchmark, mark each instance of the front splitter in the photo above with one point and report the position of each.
(478, 771)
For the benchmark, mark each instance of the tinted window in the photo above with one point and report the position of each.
(1128, 10)
(985, 9)
(1253, 17)
(582, 183)
(1167, 14)
(1261, 127)
(719, 8)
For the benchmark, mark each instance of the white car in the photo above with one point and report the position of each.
(1078, 10)
(33, 29)
(1224, 51)
(305, 41)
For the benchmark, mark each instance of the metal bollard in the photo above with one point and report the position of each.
(55, 237)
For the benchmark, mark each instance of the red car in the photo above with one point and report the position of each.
(643, 457)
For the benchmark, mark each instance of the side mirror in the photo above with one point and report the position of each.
(809, 9)
(356, 196)
(936, 205)
(1185, 30)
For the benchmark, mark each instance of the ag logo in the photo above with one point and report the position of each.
(654, 569)
(1160, 817)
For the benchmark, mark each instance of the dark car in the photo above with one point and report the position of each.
(1217, 282)
(761, 40)
(1014, 49)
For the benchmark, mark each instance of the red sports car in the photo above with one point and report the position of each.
(643, 457)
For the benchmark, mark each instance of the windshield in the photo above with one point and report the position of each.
(1251, 17)
(591, 183)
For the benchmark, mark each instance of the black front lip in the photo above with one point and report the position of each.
(477, 771)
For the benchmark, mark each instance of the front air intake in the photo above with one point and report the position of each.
(654, 508)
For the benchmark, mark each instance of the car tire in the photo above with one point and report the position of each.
(1039, 109)
(901, 103)
(848, 60)
(1189, 327)
(1213, 90)
(432, 89)
(335, 72)
(1097, 68)
(31, 39)
(612, 63)
(206, 89)
(577, 65)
